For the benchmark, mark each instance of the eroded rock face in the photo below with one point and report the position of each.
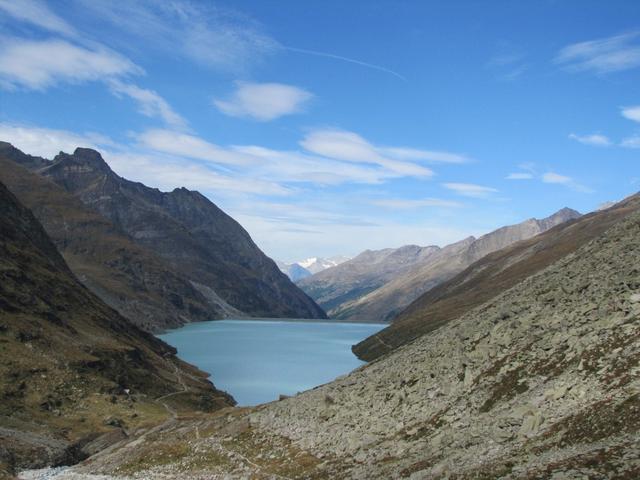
(181, 233)
(543, 381)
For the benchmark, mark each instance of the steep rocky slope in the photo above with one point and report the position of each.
(379, 290)
(349, 280)
(129, 278)
(75, 376)
(543, 381)
(489, 276)
(191, 234)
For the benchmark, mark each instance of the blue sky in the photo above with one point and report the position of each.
(332, 127)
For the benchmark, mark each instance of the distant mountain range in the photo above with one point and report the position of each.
(377, 285)
(160, 258)
(494, 273)
(305, 268)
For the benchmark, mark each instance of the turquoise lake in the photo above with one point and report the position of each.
(257, 360)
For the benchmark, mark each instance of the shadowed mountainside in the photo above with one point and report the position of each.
(490, 276)
(126, 276)
(75, 375)
(187, 231)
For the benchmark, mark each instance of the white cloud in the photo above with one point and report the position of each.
(551, 177)
(292, 166)
(169, 172)
(182, 144)
(37, 64)
(264, 101)
(520, 176)
(351, 147)
(606, 55)
(556, 178)
(426, 155)
(36, 13)
(594, 139)
(200, 31)
(149, 103)
(632, 113)
(46, 142)
(631, 142)
(470, 189)
(418, 203)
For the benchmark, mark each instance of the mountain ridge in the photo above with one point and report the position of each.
(184, 230)
(490, 275)
(408, 271)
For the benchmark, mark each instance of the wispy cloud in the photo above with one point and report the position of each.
(346, 59)
(149, 103)
(631, 113)
(47, 142)
(182, 144)
(556, 178)
(424, 155)
(507, 65)
(37, 64)
(595, 139)
(351, 147)
(205, 33)
(264, 101)
(631, 142)
(548, 177)
(470, 189)
(606, 55)
(520, 176)
(394, 203)
(37, 13)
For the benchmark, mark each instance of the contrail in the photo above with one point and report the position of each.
(346, 59)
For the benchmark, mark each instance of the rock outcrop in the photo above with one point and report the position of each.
(75, 375)
(542, 381)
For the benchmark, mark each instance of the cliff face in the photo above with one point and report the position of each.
(186, 232)
(75, 375)
(129, 278)
(490, 276)
(541, 381)
(366, 289)
(189, 232)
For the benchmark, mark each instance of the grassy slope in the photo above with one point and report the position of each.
(68, 359)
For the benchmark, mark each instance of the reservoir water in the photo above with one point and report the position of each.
(257, 360)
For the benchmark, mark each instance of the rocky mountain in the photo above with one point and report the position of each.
(129, 278)
(294, 271)
(317, 264)
(75, 375)
(541, 381)
(489, 276)
(187, 231)
(365, 273)
(371, 290)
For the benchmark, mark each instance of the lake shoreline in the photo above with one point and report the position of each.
(258, 359)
